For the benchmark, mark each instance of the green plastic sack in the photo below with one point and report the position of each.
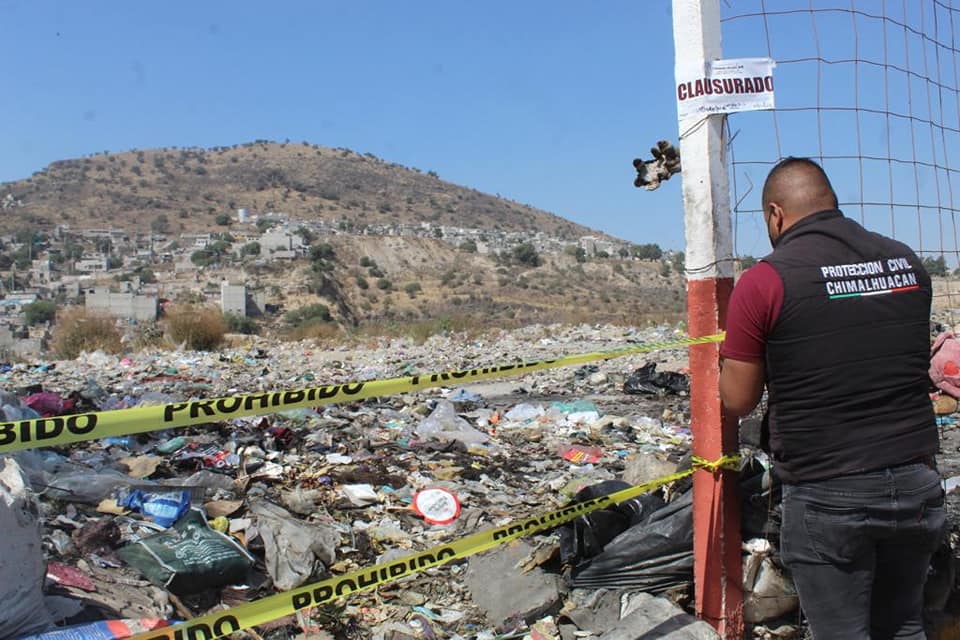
(189, 557)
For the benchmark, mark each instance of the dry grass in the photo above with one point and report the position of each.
(78, 330)
(145, 335)
(199, 328)
(420, 330)
(315, 331)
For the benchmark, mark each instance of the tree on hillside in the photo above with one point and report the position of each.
(322, 251)
(678, 262)
(647, 251)
(39, 312)
(146, 275)
(220, 247)
(27, 236)
(305, 233)
(203, 257)
(526, 254)
(935, 266)
(579, 253)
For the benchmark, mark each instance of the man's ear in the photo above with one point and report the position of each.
(774, 209)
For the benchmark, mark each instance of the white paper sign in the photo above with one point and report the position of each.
(726, 86)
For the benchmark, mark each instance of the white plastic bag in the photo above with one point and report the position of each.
(445, 424)
(23, 570)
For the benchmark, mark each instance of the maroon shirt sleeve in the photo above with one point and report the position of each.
(753, 311)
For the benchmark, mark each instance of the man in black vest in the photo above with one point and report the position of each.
(835, 324)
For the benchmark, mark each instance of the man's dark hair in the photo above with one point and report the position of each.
(807, 167)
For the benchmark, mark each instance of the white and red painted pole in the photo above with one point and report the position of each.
(709, 252)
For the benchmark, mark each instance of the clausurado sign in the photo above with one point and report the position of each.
(726, 86)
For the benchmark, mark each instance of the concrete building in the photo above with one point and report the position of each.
(198, 240)
(283, 254)
(122, 305)
(94, 264)
(111, 234)
(280, 243)
(40, 270)
(233, 299)
(23, 347)
(70, 288)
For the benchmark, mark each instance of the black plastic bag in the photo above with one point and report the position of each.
(646, 380)
(587, 536)
(760, 513)
(655, 555)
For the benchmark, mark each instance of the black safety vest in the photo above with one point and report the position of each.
(848, 357)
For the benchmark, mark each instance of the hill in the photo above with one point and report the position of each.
(380, 279)
(185, 190)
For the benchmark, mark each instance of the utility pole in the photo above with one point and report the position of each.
(709, 266)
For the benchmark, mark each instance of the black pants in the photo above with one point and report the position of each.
(859, 548)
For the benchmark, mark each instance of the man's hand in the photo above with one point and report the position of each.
(741, 385)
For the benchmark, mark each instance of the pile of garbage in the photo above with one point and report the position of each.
(115, 536)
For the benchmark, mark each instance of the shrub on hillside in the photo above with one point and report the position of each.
(39, 312)
(315, 331)
(240, 324)
(308, 314)
(322, 251)
(526, 254)
(200, 329)
(78, 330)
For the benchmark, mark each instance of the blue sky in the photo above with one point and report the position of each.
(546, 103)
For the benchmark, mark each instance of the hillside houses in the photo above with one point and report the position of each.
(107, 250)
(101, 268)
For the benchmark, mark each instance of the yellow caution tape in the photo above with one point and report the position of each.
(59, 430)
(222, 623)
(730, 463)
